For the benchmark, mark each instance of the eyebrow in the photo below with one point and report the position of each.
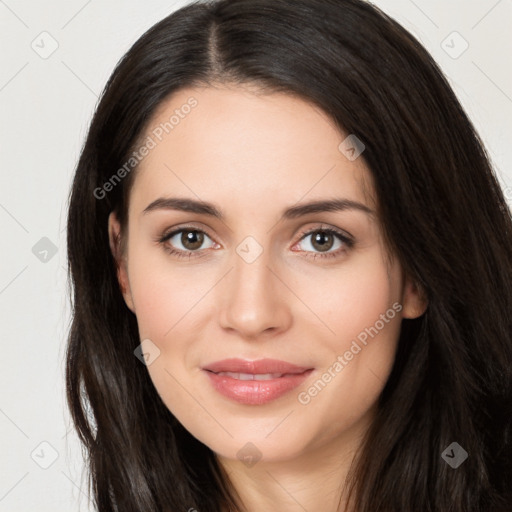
(293, 212)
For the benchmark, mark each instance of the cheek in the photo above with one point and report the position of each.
(168, 298)
(361, 306)
(164, 294)
(353, 297)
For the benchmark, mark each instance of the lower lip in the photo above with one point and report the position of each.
(256, 392)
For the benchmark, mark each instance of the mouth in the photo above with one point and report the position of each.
(255, 382)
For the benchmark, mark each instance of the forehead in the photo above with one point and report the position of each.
(229, 143)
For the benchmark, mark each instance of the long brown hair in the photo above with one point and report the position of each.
(444, 216)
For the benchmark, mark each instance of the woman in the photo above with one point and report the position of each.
(291, 264)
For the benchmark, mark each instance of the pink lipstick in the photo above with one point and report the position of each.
(255, 382)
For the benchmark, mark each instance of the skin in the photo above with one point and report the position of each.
(254, 155)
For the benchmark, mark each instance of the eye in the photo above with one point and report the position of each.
(190, 239)
(329, 242)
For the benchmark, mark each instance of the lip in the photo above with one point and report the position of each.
(255, 392)
(256, 367)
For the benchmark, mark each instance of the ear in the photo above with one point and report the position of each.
(414, 300)
(114, 235)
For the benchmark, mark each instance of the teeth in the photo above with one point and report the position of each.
(251, 376)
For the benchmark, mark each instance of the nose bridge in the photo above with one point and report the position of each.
(251, 267)
(252, 301)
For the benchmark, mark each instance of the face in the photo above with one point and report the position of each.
(257, 275)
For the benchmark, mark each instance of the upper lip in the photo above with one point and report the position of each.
(260, 366)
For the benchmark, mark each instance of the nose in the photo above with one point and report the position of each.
(253, 300)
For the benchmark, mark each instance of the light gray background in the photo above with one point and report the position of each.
(46, 105)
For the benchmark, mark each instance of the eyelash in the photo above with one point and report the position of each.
(349, 242)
